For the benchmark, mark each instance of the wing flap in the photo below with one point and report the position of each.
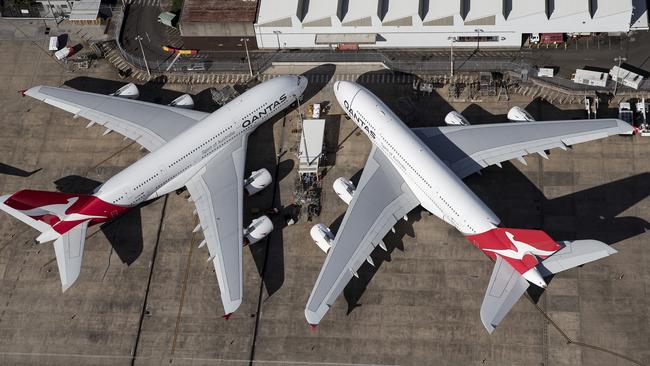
(217, 193)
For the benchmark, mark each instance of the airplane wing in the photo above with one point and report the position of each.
(468, 149)
(151, 125)
(217, 192)
(505, 288)
(381, 198)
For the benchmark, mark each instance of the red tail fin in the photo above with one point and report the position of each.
(61, 211)
(519, 247)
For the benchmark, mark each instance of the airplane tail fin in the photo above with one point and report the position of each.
(507, 284)
(52, 213)
(521, 248)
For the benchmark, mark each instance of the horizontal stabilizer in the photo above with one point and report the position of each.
(69, 253)
(573, 254)
(505, 288)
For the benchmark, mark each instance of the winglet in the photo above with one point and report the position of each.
(313, 327)
(23, 92)
(227, 316)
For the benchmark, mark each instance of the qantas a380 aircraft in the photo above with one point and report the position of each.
(204, 152)
(425, 166)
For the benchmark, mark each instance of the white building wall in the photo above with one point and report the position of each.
(413, 24)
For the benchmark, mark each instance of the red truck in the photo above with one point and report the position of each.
(552, 38)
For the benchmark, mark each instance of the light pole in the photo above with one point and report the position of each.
(277, 34)
(451, 57)
(618, 71)
(248, 57)
(478, 37)
(139, 39)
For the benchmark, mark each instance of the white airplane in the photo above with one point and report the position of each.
(425, 166)
(201, 151)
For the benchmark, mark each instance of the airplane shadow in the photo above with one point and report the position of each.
(11, 170)
(268, 254)
(124, 233)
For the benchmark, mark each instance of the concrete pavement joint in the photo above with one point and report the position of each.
(134, 355)
(577, 343)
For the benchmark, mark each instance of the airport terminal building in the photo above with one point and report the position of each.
(351, 24)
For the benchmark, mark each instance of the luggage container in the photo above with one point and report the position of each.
(552, 38)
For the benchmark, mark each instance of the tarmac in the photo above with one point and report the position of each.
(147, 296)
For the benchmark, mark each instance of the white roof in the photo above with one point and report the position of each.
(311, 144)
(608, 8)
(626, 77)
(85, 10)
(527, 9)
(320, 9)
(401, 9)
(569, 8)
(484, 8)
(441, 9)
(275, 10)
(360, 10)
(590, 74)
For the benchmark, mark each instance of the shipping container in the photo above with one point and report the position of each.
(550, 38)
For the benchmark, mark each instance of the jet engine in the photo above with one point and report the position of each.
(344, 188)
(454, 118)
(258, 229)
(518, 114)
(128, 91)
(184, 101)
(322, 236)
(258, 180)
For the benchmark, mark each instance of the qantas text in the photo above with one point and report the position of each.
(265, 111)
(360, 119)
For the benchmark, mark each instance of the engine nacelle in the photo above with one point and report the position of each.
(258, 229)
(184, 101)
(454, 118)
(322, 236)
(128, 91)
(258, 180)
(518, 114)
(344, 188)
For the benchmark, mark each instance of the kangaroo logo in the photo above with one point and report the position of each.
(59, 210)
(521, 251)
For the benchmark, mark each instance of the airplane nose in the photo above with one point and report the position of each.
(302, 82)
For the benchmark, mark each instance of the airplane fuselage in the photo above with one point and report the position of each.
(439, 190)
(172, 165)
